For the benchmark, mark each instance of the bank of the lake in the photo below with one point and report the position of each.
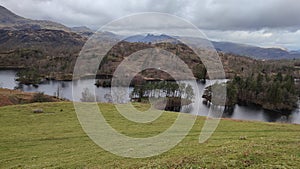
(13, 97)
(64, 88)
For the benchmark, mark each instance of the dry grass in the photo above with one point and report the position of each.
(12, 97)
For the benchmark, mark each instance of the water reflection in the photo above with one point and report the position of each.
(7, 79)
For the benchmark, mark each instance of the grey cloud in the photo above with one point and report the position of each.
(206, 14)
(247, 21)
(248, 14)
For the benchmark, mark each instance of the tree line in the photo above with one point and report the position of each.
(159, 89)
(273, 92)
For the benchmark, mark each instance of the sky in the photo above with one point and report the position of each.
(266, 23)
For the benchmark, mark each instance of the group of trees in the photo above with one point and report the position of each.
(176, 94)
(273, 92)
(159, 89)
(28, 77)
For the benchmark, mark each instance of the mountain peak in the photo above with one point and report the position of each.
(151, 38)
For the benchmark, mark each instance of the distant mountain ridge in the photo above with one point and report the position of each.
(254, 51)
(83, 31)
(151, 38)
(226, 47)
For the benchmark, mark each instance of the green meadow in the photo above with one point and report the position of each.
(55, 139)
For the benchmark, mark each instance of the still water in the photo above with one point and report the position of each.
(64, 88)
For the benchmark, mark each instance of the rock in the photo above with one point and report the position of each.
(243, 137)
(38, 111)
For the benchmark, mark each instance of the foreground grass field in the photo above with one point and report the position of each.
(54, 139)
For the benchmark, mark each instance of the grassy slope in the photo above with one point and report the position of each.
(12, 97)
(55, 139)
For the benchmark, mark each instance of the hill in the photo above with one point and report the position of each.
(245, 67)
(254, 51)
(226, 47)
(150, 38)
(49, 52)
(55, 139)
(9, 20)
(83, 31)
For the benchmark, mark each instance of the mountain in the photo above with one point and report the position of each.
(45, 50)
(150, 38)
(51, 49)
(9, 20)
(295, 51)
(135, 38)
(83, 31)
(28, 38)
(226, 47)
(37, 44)
(254, 51)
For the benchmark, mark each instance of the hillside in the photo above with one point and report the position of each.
(47, 47)
(50, 52)
(55, 59)
(245, 66)
(9, 20)
(226, 47)
(55, 139)
(254, 51)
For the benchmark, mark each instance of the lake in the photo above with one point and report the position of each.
(64, 88)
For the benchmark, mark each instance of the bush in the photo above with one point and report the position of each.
(40, 97)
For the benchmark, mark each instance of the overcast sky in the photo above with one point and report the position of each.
(268, 23)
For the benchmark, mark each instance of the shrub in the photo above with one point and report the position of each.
(40, 97)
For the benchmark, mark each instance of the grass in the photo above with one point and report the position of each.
(55, 139)
(12, 97)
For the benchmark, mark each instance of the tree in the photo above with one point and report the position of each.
(289, 83)
(200, 71)
(28, 76)
(279, 77)
(232, 94)
(259, 83)
(189, 92)
(87, 96)
(274, 93)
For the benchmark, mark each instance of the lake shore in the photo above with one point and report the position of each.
(13, 97)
